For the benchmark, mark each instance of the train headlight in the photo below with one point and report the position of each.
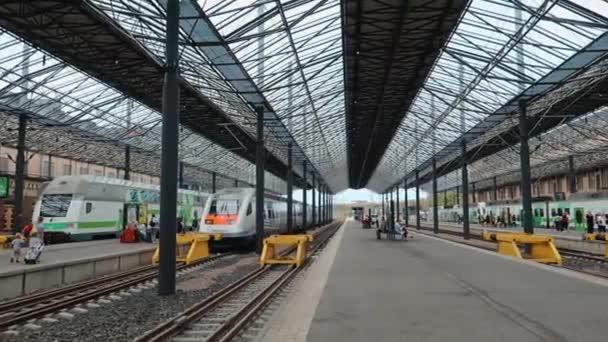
(208, 221)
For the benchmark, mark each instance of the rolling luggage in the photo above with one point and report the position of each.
(33, 253)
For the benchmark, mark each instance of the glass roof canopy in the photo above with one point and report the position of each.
(499, 49)
(79, 117)
(585, 138)
(285, 55)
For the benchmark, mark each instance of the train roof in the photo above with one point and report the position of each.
(76, 182)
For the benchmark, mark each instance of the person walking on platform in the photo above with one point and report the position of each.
(589, 218)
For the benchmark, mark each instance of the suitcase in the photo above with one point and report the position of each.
(33, 254)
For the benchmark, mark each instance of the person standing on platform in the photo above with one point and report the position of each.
(565, 222)
(589, 218)
(153, 228)
(39, 229)
(601, 223)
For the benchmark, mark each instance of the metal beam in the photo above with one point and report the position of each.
(524, 155)
(260, 157)
(127, 162)
(289, 189)
(20, 174)
(169, 155)
(314, 202)
(465, 192)
(417, 200)
(304, 202)
(435, 200)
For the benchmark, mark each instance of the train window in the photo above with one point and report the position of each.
(567, 210)
(542, 212)
(55, 205)
(88, 207)
(249, 209)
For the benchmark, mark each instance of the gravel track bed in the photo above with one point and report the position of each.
(131, 316)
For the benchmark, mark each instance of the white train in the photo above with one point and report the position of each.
(231, 212)
(91, 207)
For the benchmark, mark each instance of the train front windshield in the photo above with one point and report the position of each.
(223, 211)
(55, 205)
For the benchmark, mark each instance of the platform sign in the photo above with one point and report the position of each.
(4, 186)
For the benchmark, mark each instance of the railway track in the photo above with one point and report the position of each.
(225, 314)
(34, 306)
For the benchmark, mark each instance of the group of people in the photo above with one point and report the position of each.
(384, 226)
(150, 232)
(32, 237)
(598, 219)
(496, 221)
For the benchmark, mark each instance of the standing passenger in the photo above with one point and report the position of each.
(589, 222)
(565, 222)
(601, 223)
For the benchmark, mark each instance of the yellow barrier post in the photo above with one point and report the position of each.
(5, 241)
(542, 247)
(191, 247)
(269, 252)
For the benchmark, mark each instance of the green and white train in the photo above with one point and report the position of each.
(544, 210)
(92, 207)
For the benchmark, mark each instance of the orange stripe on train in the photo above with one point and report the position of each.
(220, 219)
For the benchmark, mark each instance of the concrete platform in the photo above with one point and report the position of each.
(427, 289)
(567, 239)
(68, 263)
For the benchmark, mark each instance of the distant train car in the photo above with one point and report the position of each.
(231, 212)
(92, 207)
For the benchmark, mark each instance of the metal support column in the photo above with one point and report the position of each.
(473, 193)
(314, 202)
(435, 200)
(524, 155)
(417, 200)
(397, 209)
(180, 181)
(383, 212)
(319, 217)
(236, 183)
(571, 175)
(445, 198)
(406, 213)
(169, 154)
(391, 209)
(392, 214)
(260, 158)
(458, 195)
(289, 189)
(494, 189)
(465, 193)
(127, 162)
(50, 167)
(20, 175)
(214, 180)
(304, 202)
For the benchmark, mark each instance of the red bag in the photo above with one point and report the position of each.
(27, 230)
(129, 236)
